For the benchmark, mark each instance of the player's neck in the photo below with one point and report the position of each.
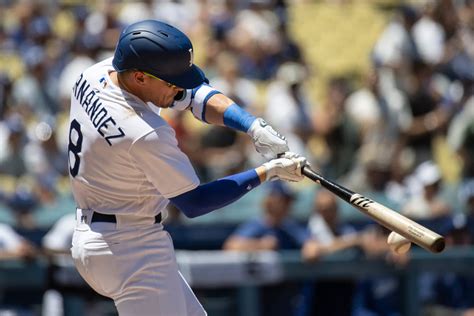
(121, 81)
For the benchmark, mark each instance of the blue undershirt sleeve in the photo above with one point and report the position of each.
(216, 194)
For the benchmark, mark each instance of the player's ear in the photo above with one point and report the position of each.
(139, 77)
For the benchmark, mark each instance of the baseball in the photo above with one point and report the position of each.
(398, 243)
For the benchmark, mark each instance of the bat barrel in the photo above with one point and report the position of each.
(396, 222)
(388, 218)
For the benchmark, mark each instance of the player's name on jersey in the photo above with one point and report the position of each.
(98, 114)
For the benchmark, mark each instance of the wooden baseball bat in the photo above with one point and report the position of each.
(385, 216)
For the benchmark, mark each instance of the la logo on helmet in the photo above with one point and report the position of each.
(191, 57)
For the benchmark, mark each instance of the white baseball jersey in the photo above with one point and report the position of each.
(123, 157)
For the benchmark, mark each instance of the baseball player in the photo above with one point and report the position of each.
(125, 167)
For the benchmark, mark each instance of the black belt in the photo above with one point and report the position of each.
(98, 217)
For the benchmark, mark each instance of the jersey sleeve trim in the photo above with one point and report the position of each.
(201, 96)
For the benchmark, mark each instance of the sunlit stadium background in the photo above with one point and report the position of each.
(377, 94)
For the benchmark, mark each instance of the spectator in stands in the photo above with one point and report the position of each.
(288, 106)
(275, 230)
(428, 204)
(380, 111)
(371, 175)
(466, 196)
(255, 36)
(430, 108)
(395, 46)
(327, 229)
(329, 235)
(229, 81)
(103, 23)
(58, 238)
(44, 156)
(461, 136)
(22, 203)
(429, 35)
(5, 92)
(12, 155)
(53, 204)
(14, 246)
(379, 295)
(35, 90)
(84, 50)
(337, 130)
(56, 245)
(449, 293)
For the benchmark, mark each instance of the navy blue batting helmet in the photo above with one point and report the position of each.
(159, 49)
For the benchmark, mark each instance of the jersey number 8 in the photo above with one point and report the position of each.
(74, 147)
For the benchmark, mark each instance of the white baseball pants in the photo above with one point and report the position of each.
(134, 264)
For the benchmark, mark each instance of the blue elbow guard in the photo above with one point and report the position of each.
(216, 194)
(237, 118)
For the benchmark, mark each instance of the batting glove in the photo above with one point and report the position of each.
(287, 168)
(267, 141)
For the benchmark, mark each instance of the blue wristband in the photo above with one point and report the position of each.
(237, 118)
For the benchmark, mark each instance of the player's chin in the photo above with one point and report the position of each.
(165, 105)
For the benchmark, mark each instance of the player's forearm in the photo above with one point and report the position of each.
(216, 107)
(221, 110)
(217, 194)
(209, 105)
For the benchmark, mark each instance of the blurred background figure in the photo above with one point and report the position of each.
(13, 158)
(449, 293)
(327, 229)
(23, 203)
(288, 107)
(329, 235)
(274, 230)
(427, 203)
(337, 130)
(395, 45)
(380, 294)
(14, 246)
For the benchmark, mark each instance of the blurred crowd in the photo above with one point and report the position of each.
(401, 133)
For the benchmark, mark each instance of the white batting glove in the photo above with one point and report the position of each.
(267, 141)
(288, 167)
